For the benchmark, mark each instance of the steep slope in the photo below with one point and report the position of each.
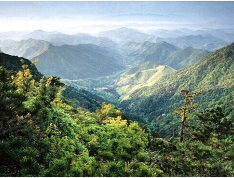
(144, 75)
(124, 35)
(212, 74)
(81, 61)
(80, 98)
(15, 63)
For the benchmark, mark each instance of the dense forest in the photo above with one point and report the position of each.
(43, 134)
(116, 89)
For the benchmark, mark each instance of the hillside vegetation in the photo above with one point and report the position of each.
(43, 135)
(212, 74)
(144, 75)
(79, 97)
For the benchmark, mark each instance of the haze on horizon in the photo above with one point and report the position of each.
(93, 17)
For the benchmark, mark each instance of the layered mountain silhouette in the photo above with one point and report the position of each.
(124, 35)
(205, 42)
(162, 53)
(80, 61)
(67, 61)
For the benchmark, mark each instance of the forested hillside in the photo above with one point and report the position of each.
(116, 89)
(14, 63)
(43, 135)
(213, 75)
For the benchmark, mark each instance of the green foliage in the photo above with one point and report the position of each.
(82, 98)
(43, 136)
(205, 150)
(213, 75)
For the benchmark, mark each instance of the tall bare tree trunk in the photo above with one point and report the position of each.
(183, 117)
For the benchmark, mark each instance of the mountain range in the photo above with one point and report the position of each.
(80, 61)
(25, 48)
(161, 53)
(124, 35)
(141, 72)
(213, 75)
(225, 35)
(67, 61)
(205, 42)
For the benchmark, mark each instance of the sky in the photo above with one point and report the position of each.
(93, 17)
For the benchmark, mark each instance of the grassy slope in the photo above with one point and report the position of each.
(146, 74)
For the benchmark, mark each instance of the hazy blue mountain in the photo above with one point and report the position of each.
(80, 61)
(225, 35)
(90, 54)
(205, 42)
(25, 48)
(55, 38)
(106, 43)
(222, 34)
(59, 39)
(7, 42)
(13, 35)
(124, 35)
(163, 33)
(41, 35)
(4, 44)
